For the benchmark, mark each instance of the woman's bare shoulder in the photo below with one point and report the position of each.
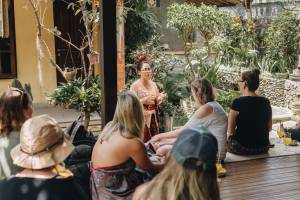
(204, 111)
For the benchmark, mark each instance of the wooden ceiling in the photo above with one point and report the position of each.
(215, 2)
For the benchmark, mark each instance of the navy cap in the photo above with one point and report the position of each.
(195, 148)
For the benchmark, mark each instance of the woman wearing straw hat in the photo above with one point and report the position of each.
(15, 108)
(43, 146)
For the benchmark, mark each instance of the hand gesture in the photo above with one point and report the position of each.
(160, 97)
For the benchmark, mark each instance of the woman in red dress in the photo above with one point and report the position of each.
(150, 97)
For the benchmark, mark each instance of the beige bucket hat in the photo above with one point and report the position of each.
(42, 144)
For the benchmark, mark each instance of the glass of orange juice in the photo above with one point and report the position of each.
(287, 140)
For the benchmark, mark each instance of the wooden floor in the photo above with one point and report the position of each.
(271, 178)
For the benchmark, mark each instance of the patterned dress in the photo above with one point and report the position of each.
(151, 110)
(116, 182)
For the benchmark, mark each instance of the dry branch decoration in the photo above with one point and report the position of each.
(90, 20)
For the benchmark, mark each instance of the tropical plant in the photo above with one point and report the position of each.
(281, 41)
(81, 93)
(140, 24)
(209, 21)
(225, 98)
(75, 94)
(239, 45)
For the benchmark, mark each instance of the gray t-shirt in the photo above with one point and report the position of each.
(7, 167)
(216, 123)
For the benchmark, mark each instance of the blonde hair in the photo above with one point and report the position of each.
(179, 183)
(203, 90)
(128, 119)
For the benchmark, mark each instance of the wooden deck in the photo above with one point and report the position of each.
(270, 178)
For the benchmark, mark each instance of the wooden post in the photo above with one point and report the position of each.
(108, 59)
(120, 44)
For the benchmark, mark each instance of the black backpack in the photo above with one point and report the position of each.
(78, 160)
(79, 135)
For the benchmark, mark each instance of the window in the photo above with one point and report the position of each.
(8, 64)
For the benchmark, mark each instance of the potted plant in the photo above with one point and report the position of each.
(76, 95)
(168, 110)
(82, 94)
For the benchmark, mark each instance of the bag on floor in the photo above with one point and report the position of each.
(78, 160)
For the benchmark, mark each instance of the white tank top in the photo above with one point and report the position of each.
(216, 123)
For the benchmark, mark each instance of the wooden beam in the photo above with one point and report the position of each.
(108, 59)
(120, 44)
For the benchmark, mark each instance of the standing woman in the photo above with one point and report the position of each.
(250, 118)
(150, 97)
(15, 109)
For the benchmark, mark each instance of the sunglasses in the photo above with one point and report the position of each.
(20, 93)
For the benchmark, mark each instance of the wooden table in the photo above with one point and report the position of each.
(270, 178)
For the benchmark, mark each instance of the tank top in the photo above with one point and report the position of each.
(215, 122)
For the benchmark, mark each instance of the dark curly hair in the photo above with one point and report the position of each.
(13, 102)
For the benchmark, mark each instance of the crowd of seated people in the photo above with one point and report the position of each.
(33, 149)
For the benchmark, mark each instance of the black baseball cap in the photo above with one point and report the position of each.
(195, 148)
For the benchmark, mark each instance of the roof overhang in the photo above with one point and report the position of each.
(215, 2)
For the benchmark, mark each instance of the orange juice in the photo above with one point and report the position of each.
(287, 141)
(219, 167)
(280, 134)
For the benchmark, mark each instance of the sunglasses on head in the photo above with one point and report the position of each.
(20, 92)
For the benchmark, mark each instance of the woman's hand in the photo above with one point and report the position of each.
(160, 97)
(148, 100)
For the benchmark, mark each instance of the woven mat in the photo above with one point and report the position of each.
(278, 150)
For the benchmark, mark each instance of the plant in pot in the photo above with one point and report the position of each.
(82, 94)
(76, 95)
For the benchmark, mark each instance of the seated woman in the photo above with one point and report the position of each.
(250, 118)
(119, 150)
(190, 171)
(209, 114)
(15, 108)
(42, 148)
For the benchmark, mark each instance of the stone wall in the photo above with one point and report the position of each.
(281, 92)
(273, 89)
(291, 92)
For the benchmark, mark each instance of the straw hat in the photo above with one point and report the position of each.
(42, 144)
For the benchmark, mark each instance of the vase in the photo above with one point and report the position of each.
(93, 58)
(168, 122)
(69, 75)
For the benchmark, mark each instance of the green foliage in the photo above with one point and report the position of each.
(140, 25)
(183, 18)
(210, 22)
(225, 98)
(239, 46)
(187, 18)
(25, 88)
(281, 42)
(75, 94)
